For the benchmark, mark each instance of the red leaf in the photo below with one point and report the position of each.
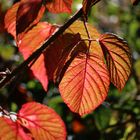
(64, 44)
(22, 16)
(31, 42)
(10, 19)
(29, 13)
(85, 83)
(11, 130)
(59, 6)
(118, 58)
(43, 122)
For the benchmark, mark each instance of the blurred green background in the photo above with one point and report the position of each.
(118, 118)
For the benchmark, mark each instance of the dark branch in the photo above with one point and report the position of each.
(38, 52)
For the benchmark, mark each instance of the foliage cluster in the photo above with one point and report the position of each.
(80, 60)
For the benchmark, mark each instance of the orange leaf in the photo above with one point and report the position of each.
(10, 19)
(22, 16)
(30, 43)
(43, 122)
(67, 45)
(29, 13)
(85, 83)
(11, 130)
(59, 6)
(118, 58)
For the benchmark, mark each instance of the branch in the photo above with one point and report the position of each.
(38, 52)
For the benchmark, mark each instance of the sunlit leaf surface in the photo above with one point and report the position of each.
(59, 6)
(86, 81)
(11, 130)
(29, 13)
(22, 16)
(118, 58)
(10, 19)
(42, 121)
(30, 43)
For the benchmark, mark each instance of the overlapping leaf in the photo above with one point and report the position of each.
(23, 15)
(29, 13)
(64, 45)
(30, 43)
(86, 81)
(118, 58)
(42, 122)
(45, 66)
(59, 6)
(12, 130)
(10, 19)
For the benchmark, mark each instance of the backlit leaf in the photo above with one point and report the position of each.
(118, 58)
(64, 45)
(43, 122)
(31, 42)
(11, 130)
(29, 13)
(22, 15)
(10, 19)
(79, 28)
(45, 66)
(86, 81)
(59, 6)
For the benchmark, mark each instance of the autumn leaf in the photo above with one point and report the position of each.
(10, 19)
(29, 13)
(42, 122)
(59, 6)
(85, 83)
(64, 45)
(30, 43)
(12, 130)
(19, 20)
(118, 58)
(45, 66)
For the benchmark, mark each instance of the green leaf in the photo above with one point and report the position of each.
(102, 117)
